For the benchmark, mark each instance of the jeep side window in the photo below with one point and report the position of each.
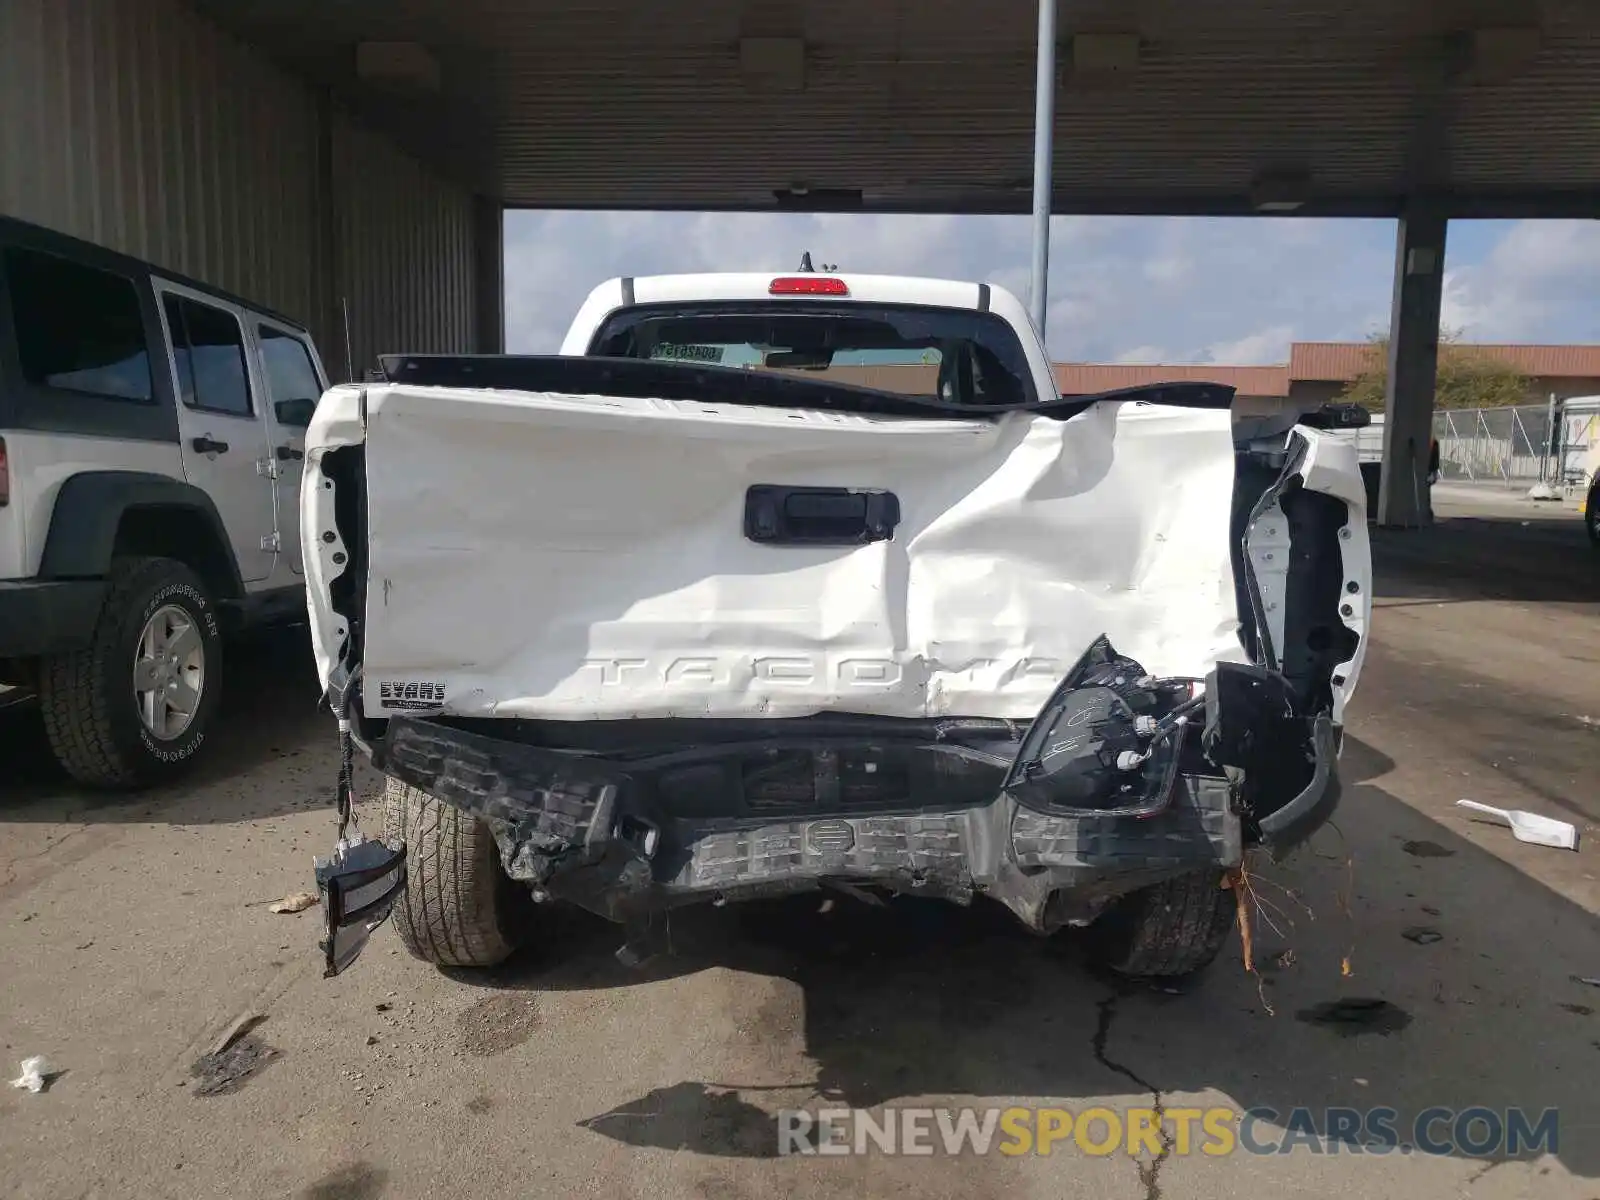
(208, 348)
(79, 329)
(290, 376)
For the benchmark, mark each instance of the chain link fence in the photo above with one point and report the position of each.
(1518, 446)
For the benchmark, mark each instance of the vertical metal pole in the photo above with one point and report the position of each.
(1552, 444)
(1044, 124)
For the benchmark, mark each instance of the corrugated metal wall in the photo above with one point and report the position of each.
(404, 252)
(139, 125)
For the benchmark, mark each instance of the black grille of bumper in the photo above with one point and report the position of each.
(784, 781)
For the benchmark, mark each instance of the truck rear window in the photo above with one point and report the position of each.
(954, 355)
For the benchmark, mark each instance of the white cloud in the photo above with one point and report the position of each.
(1169, 270)
(1261, 348)
(1459, 310)
(1536, 283)
(1142, 354)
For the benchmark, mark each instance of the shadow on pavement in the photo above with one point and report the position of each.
(1532, 559)
(1522, 735)
(925, 1000)
(268, 713)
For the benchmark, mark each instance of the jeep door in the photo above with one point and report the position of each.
(292, 380)
(221, 421)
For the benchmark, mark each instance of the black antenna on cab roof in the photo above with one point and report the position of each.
(349, 358)
(805, 263)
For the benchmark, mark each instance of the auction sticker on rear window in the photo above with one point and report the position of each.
(687, 353)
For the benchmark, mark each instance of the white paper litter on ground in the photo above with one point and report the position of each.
(1530, 827)
(35, 1071)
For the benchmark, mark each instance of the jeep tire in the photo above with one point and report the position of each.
(94, 712)
(459, 907)
(1169, 930)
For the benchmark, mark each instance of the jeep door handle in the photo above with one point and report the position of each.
(204, 445)
(288, 453)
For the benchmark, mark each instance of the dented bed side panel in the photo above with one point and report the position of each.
(339, 423)
(1331, 467)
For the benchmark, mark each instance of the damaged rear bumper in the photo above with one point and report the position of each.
(628, 837)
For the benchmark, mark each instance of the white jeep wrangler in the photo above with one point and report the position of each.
(151, 443)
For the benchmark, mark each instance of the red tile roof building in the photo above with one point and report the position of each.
(1318, 371)
(1315, 373)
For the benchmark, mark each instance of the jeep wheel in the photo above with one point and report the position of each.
(459, 908)
(133, 706)
(1166, 931)
(1591, 513)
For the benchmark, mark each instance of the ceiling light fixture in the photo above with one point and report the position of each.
(1280, 191)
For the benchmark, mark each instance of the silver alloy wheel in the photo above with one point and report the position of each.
(169, 672)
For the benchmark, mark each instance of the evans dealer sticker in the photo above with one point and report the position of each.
(411, 694)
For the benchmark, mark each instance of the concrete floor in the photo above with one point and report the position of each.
(133, 932)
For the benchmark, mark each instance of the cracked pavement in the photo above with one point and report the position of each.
(1149, 1169)
(135, 931)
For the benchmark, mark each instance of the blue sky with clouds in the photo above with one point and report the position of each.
(1133, 289)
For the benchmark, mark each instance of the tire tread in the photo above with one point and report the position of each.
(1174, 928)
(454, 910)
(74, 695)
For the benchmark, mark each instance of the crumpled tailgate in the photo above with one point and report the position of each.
(588, 558)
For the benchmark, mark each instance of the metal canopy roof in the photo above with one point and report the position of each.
(1342, 107)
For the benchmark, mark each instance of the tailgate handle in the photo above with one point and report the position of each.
(779, 515)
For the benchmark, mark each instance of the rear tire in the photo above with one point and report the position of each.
(1169, 930)
(1591, 513)
(459, 907)
(90, 698)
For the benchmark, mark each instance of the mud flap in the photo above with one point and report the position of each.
(1252, 725)
(360, 882)
(358, 886)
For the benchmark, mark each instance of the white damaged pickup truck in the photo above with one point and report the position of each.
(770, 584)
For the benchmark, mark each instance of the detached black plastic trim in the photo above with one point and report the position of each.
(704, 383)
(1296, 821)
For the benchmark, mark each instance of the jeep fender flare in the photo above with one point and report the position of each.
(89, 509)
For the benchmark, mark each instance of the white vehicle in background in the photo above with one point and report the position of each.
(1365, 432)
(150, 431)
(775, 583)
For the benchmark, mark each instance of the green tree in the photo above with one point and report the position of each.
(1467, 378)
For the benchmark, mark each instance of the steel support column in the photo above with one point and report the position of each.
(489, 284)
(1413, 367)
(1044, 123)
